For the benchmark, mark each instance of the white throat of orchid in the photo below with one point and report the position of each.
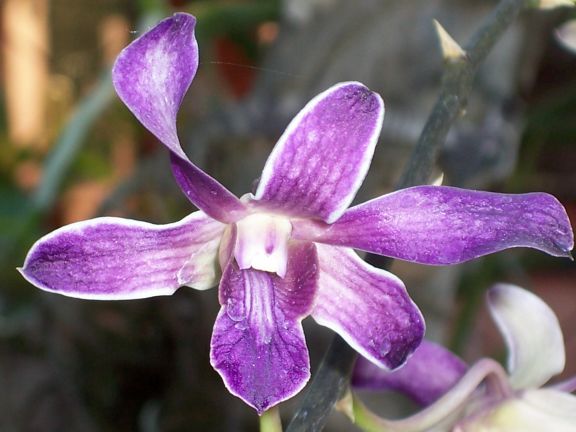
(262, 243)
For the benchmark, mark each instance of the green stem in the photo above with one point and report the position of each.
(270, 420)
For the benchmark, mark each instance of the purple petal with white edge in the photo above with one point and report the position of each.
(113, 259)
(205, 192)
(258, 344)
(368, 307)
(441, 225)
(427, 375)
(151, 76)
(323, 156)
(528, 364)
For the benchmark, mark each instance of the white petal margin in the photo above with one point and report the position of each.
(115, 259)
(535, 411)
(532, 334)
(368, 307)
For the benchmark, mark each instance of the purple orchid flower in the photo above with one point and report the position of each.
(286, 251)
(484, 397)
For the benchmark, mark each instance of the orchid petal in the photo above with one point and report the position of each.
(529, 364)
(151, 76)
(441, 415)
(258, 344)
(153, 73)
(323, 156)
(535, 411)
(427, 375)
(566, 35)
(205, 192)
(368, 307)
(112, 258)
(446, 225)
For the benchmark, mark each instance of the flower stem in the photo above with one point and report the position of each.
(327, 387)
(270, 420)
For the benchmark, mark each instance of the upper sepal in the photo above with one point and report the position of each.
(151, 76)
(153, 73)
(323, 156)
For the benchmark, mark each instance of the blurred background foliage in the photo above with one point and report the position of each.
(69, 150)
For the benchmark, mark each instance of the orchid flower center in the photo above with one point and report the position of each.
(262, 243)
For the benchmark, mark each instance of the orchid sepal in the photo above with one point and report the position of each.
(118, 259)
(151, 76)
(440, 225)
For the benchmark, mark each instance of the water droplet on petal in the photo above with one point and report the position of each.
(385, 348)
(235, 309)
(242, 325)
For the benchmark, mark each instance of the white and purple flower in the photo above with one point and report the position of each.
(485, 397)
(285, 252)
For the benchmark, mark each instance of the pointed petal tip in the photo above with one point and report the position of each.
(563, 245)
(184, 18)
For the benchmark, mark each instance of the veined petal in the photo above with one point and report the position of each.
(446, 225)
(427, 375)
(527, 325)
(112, 258)
(368, 307)
(534, 411)
(151, 76)
(323, 156)
(258, 345)
(205, 192)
